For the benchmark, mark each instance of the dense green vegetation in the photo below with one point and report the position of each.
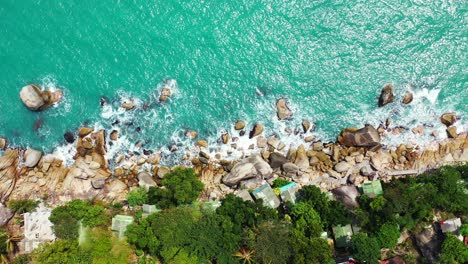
(22, 206)
(180, 186)
(248, 232)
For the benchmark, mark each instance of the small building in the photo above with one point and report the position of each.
(37, 229)
(342, 235)
(211, 206)
(120, 223)
(372, 189)
(149, 209)
(288, 192)
(451, 225)
(245, 195)
(266, 193)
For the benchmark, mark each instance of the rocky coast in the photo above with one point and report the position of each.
(357, 156)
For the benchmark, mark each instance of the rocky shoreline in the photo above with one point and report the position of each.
(356, 157)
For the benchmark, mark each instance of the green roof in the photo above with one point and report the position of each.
(342, 235)
(120, 223)
(372, 189)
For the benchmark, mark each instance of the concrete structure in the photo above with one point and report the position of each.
(288, 192)
(120, 223)
(372, 189)
(211, 206)
(265, 192)
(342, 235)
(451, 225)
(149, 209)
(37, 229)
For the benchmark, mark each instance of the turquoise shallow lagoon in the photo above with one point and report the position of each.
(230, 60)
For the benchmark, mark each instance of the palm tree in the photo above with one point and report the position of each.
(245, 254)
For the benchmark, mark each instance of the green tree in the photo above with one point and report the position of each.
(306, 220)
(365, 248)
(212, 239)
(181, 186)
(3, 246)
(464, 230)
(280, 182)
(137, 196)
(272, 243)
(245, 214)
(61, 252)
(453, 251)
(388, 235)
(309, 250)
(23, 206)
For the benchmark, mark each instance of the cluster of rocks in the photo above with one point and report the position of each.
(36, 100)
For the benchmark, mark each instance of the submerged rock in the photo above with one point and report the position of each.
(69, 137)
(386, 95)
(165, 94)
(408, 97)
(282, 109)
(367, 136)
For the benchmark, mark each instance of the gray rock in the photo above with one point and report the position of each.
(367, 171)
(367, 136)
(98, 184)
(31, 96)
(429, 243)
(32, 157)
(290, 168)
(347, 194)
(163, 171)
(342, 166)
(283, 110)
(5, 215)
(386, 95)
(277, 160)
(145, 180)
(248, 168)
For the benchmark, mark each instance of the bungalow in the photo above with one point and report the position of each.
(37, 229)
(372, 189)
(288, 192)
(342, 235)
(120, 223)
(266, 193)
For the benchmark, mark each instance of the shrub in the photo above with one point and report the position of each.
(23, 206)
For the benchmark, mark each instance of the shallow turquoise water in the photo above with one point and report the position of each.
(328, 58)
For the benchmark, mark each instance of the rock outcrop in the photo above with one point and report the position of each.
(36, 100)
(367, 136)
(248, 168)
(407, 98)
(386, 95)
(282, 109)
(448, 119)
(32, 157)
(256, 130)
(239, 125)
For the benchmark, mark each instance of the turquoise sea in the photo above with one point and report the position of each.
(230, 60)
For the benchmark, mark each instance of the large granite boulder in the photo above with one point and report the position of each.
(145, 180)
(32, 157)
(429, 242)
(36, 99)
(367, 136)
(347, 194)
(277, 160)
(282, 109)
(386, 95)
(5, 215)
(248, 168)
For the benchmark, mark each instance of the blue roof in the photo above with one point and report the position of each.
(287, 186)
(261, 188)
